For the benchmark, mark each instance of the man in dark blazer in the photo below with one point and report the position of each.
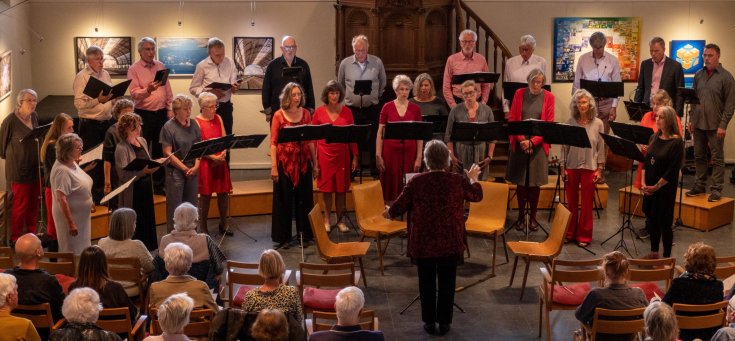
(671, 77)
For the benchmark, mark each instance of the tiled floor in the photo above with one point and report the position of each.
(492, 309)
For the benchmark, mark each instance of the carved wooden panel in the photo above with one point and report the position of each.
(398, 32)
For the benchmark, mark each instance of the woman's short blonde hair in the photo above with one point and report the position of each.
(178, 257)
(128, 122)
(181, 101)
(615, 265)
(425, 77)
(700, 258)
(271, 265)
(402, 80)
(173, 313)
(662, 97)
(206, 97)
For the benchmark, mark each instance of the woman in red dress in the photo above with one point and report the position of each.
(334, 158)
(214, 174)
(389, 152)
(291, 170)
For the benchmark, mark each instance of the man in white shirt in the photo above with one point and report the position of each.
(217, 68)
(518, 67)
(602, 66)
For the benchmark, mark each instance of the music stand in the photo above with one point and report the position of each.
(600, 89)
(346, 135)
(510, 89)
(632, 132)
(690, 98)
(207, 147)
(37, 134)
(636, 110)
(292, 73)
(407, 130)
(476, 132)
(478, 77)
(629, 150)
(363, 87)
(438, 121)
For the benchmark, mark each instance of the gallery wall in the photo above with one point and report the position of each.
(312, 22)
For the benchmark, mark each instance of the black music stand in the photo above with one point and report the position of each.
(346, 135)
(207, 147)
(629, 150)
(292, 73)
(632, 132)
(439, 122)
(636, 110)
(510, 89)
(363, 87)
(478, 77)
(407, 130)
(300, 134)
(600, 89)
(38, 134)
(690, 98)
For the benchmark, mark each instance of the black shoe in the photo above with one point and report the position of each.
(430, 328)
(443, 329)
(714, 196)
(226, 232)
(643, 233)
(695, 192)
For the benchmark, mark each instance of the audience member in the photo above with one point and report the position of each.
(81, 310)
(660, 322)
(270, 325)
(615, 295)
(697, 285)
(349, 304)
(273, 294)
(178, 258)
(727, 333)
(173, 316)
(13, 328)
(119, 244)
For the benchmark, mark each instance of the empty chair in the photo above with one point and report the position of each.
(647, 274)
(331, 252)
(487, 217)
(118, 320)
(6, 257)
(57, 263)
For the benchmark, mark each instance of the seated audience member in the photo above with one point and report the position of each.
(209, 261)
(178, 258)
(173, 316)
(697, 285)
(270, 325)
(93, 274)
(349, 305)
(273, 294)
(36, 286)
(13, 328)
(727, 333)
(119, 244)
(82, 309)
(660, 322)
(615, 295)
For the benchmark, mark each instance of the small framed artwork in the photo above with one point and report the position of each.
(6, 80)
(690, 54)
(181, 55)
(117, 53)
(252, 55)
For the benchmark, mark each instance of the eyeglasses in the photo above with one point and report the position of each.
(215, 106)
(32, 100)
(468, 93)
(466, 42)
(289, 47)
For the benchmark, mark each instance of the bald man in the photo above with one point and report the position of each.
(274, 79)
(35, 286)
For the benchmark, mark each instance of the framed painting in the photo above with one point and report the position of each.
(571, 40)
(117, 53)
(181, 55)
(689, 54)
(252, 55)
(6, 79)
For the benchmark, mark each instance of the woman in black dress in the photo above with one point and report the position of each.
(660, 176)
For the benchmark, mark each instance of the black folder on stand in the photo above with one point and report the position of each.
(625, 148)
(37, 133)
(636, 110)
(632, 132)
(408, 130)
(600, 89)
(478, 77)
(476, 132)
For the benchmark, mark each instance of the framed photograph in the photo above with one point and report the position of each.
(252, 55)
(181, 55)
(571, 40)
(689, 54)
(117, 53)
(6, 80)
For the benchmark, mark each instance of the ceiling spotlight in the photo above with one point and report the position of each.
(179, 22)
(701, 21)
(96, 29)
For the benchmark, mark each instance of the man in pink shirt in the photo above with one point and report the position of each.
(152, 101)
(465, 61)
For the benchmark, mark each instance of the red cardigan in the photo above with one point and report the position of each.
(547, 114)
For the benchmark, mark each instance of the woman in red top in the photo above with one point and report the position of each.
(214, 174)
(436, 230)
(388, 153)
(291, 169)
(334, 158)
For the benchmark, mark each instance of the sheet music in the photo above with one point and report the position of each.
(91, 155)
(118, 190)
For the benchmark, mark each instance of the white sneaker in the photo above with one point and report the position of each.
(327, 227)
(342, 227)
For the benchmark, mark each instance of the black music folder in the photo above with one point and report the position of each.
(636, 110)
(220, 86)
(95, 86)
(37, 133)
(601, 89)
(689, 95)
(408, 130)
(510, 88)
(162, 76)
(291, 73)
(138, 165)
(475, 132)
(478, 77)
(363, 87)
(625, 148)
(632, 132)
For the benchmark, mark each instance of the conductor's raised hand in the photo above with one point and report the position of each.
(473, 173)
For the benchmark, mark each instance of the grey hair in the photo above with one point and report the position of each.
(121, 104)
(21, 94)
(94, 50)
(286, 37)
(145, 40)
(186, 217)
(179, 101)
(527, 40)
(82, 305)
(402, 80)
(425, 77)
(65, 145)
(436, 155)
(7, 286)
(362, 38)
(215, 42)
(122, 224)
(465, 32)
(348, 304)
(573, 105)
(206, 97)
(598, 39)
(535, 73)
(178, 258)
(657, 40)
(174, 312)
(660, 322)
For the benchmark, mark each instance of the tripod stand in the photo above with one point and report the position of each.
(690, 98)
(37, 134)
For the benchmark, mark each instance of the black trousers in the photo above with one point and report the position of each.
(659, 210)
(92, 133)
(291, 201)
(225, 110)
(433, 309)
(368, 115)
(153, 122)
